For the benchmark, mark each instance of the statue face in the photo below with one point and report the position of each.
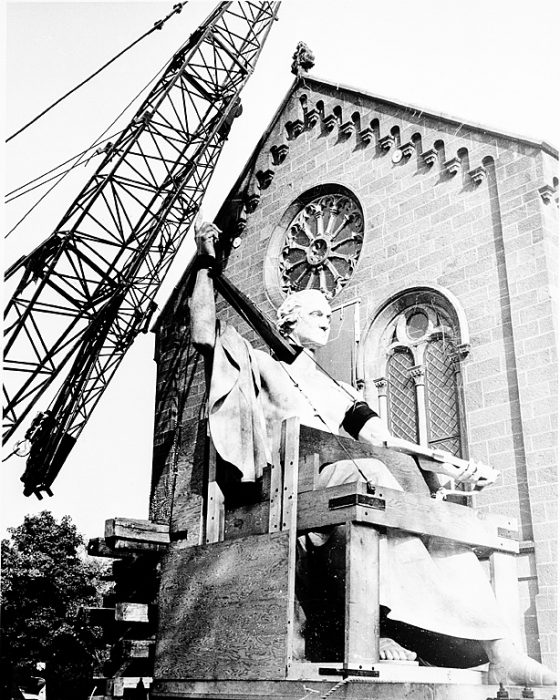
(313, 324)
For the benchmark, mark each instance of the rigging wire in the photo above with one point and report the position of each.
(157, 25)
(52, 170)
(79, 157)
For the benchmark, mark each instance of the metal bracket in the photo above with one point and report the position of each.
(346, 672)
(357, 499)
(508, 534)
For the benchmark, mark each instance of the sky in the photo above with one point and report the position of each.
(490, 62)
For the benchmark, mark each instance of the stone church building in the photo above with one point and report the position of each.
(435, 241)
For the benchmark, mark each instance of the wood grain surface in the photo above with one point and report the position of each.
(223, 610)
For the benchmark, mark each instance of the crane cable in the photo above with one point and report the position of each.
(157, 25)
(15, 193)
(78, 157)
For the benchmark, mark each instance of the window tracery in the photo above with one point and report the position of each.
(418, 375)
(316, 244)
(322, 245)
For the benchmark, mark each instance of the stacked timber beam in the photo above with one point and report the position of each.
(129, 613)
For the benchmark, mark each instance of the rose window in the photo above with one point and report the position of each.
(322, 245)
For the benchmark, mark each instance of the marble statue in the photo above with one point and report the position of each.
(436, 594)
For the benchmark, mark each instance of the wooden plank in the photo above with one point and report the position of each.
(133, 529)
(129, 548)
(276, 481)
(122, 549)
(395, 672)
(97, 617)
(117, 686)
(290, 454)
(318, 447)
(412, 513)
(222, 610)
(132, 612)
(290, 439)
(247, 509)
(428, 684)
(97, 547)
(361, 620)
(215, 514)
(245, 520)
(214, 501)
(505, 582)
(136, 648)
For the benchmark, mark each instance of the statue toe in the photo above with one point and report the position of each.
(519, 669)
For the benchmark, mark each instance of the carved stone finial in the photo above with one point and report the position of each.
(303, 59)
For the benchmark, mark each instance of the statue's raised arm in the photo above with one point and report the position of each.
(202, 304)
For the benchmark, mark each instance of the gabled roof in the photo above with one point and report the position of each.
(309, 81)
(415, 109)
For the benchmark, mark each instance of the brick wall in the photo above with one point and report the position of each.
(474, 222)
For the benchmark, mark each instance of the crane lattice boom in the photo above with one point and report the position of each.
(88, 290)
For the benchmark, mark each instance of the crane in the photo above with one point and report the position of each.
(84, 294)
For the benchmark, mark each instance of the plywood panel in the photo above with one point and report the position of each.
(223, 610)
(361, 625)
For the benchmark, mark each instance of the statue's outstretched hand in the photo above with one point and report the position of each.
(206, 234)
(477, 474)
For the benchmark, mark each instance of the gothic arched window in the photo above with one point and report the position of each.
(412, 356)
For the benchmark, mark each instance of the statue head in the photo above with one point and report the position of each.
(305, 317)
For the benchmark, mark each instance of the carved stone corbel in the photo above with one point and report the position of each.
(265, 177)
(312, 117)
(330, 121)
(296, 128)
(478, 174)
(430, 157)
(407, 149)
(386, 143)
(347, 129)
(452, 166)
(366, 135)
(252, 201)
(241, 220)
(279, 153)
(546, 192)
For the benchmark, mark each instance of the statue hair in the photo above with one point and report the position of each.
(288, 312)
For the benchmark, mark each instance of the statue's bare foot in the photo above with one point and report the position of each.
(389, 650)
(512, 667)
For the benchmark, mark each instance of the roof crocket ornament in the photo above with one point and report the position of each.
(303, 59)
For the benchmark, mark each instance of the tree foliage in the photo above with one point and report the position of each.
(46, 578)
